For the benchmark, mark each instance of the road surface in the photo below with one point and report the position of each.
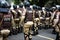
(43, 35)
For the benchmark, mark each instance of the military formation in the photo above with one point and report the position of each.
(28, 19)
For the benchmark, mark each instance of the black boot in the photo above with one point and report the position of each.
(19, 30)
(14, 32)
(57, 36)
(53, 32)
(36, 32)
(46, 26)
(39, 27)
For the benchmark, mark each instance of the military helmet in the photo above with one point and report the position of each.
(26, 4)
(4, 4)
(47, 9)
(58, 8)
(39, 8)
(34, 6)
(15, 6)
(43, 8)
(21, 5)
(53, 8)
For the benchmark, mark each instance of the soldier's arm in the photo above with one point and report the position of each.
(14, 12)
(13, 24)
(20, 12)
(24, 12)
(33, 15)
(52, 16)
(39, 15)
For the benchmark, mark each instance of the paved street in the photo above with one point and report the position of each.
(43, 35)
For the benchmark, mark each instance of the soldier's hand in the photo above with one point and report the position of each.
(24, 12)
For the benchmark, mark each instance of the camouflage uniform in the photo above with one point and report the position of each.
(16, 19)
(5, 22)
(36, 20)
(58, 27)
(28, 22)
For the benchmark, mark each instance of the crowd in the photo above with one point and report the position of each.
(28, 19)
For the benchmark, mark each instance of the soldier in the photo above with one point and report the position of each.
(13, 23)
(53, 10)
(22, 16)
(44, 11)
(57, 24)
(47, 18)
(36, 19)
(16, 19)
(28, 21)
(6, 19)
(53, 16)
(39, 13)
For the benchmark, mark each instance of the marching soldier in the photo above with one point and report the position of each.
(57, 24)
(28, 21)
(1, 17)
(6, 19)
(53, 10)
(22, 16)
(53, 16)
(47, 18)
(16, 19)
(39, 21)
(36, 19)
(44, 11)
(47, 15)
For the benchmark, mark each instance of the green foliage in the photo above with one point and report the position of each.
(38, 2)
(22, 0)
(49, 4)
(58, 2)
(34, 2)
(16, 2)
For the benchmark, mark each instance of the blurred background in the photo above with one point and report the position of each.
(41, 3)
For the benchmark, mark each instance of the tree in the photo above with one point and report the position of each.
(38, 2)
(58, 2)
(16, 2)
(50, 3)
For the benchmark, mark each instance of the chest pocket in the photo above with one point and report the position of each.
(7, 18)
